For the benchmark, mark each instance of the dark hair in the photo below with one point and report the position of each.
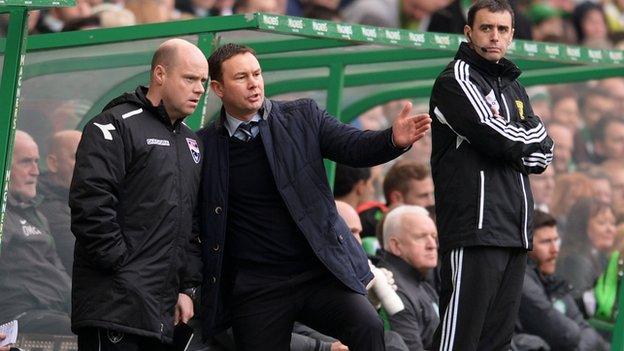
(600, 129)
(347, 177)
(542, 219)
(579, 12)
(492, 6)
(222, 54)
(400, 174)
(575, 238)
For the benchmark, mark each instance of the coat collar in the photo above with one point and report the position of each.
(504, 69)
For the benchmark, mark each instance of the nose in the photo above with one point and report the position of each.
(34, 169)
(199, 88)
(495, 35)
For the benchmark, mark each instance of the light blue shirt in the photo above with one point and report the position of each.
(232, 123)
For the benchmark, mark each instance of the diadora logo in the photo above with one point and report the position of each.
(595, 54)
(442, 40)
(346, 31)
(552, 50)
(369, 33)
(530, 48)
(417, 38)
(573, 52)
(520, 107)
(319, 26)
(393, 35)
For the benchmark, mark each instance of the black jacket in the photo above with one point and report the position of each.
(548, 310)
(418, 321)
(54, 207)
(31, 274)
(297, 136)
(132, 198)
(480, 163)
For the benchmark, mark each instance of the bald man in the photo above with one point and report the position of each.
(135, 185)
(34, 287)
(54, 187)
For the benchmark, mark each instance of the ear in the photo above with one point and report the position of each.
(395, 197)
(360, 187)
(159, 74)
(52, 163)
(467, 31)
(598, 148)
(217, 87)
(394, 246)
(513, 30)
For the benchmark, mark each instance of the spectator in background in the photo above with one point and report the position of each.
(353, 185)
(54, 187)
(615, 87)
(547, 24)
(615, 170)
(35, 287)
(150, 11)
(410, 253)
(609, 139)
(564, 141)
(590, 25)
(601, 183)
(542, 187)
(53, 20)
(569, 188)
(197, 8)
(452, 19)
(547, 309)
(252, 6)
(595, 103)
(588, 240)
(565, 110)
(406, 183)
(406, 14)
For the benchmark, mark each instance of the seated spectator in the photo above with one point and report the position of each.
(601, 184)
(54, 187)
(547, 22)
(609, 139)
(353, 185)
(410, 253)
(35, 287)
(588, 240)
(590, 25)
(569, 188)
(547, 309)
(406, 14)
(615, 171)
(252, 6)
(595, 103)
(197, 8)
(406, 183)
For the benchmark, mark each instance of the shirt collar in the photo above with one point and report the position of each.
(232, 123)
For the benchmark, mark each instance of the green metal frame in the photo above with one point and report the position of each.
(393, 63)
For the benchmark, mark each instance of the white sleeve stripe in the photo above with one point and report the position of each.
(534, 164)
(509, 128)
(477, 108)
(510, 132)
(131, 113)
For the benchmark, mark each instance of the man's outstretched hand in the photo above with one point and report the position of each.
(407, 129)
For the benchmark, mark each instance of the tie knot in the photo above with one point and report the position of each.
(246, 130)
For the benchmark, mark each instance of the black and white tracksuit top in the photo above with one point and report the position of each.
(481, 159)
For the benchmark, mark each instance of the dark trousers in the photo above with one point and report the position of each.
(100, 339)
(264, 309)
(480, 297)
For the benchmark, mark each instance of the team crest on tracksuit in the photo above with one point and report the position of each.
(194, 148)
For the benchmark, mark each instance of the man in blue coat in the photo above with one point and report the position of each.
(275, 250)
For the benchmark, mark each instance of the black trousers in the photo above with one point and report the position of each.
(100, 339)
(480, 298)
(264, 309)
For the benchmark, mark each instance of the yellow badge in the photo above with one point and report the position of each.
(520, 107)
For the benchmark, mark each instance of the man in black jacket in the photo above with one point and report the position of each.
(132, 199)
(288, 255)
(54, 187)
(410, 253)
(34, 286)
(485, 142)
(547, 308)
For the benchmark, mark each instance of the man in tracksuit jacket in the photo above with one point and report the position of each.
(274, 247)
(133, 193)
(486, 140)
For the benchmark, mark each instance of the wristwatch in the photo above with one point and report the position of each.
(190, 292)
